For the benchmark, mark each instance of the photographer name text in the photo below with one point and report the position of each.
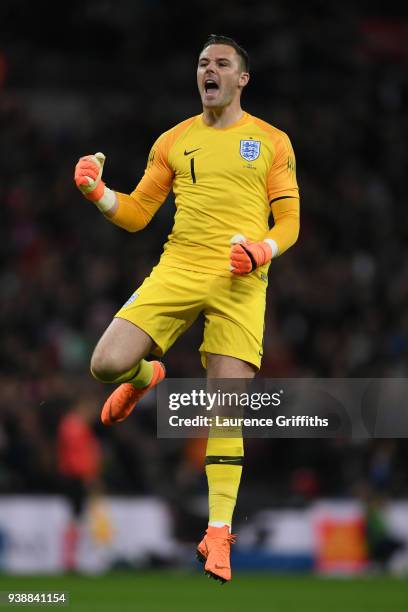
(222, 421)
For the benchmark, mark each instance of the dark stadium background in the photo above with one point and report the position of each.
(81, 77)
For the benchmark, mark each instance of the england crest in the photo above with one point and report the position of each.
(250, 149)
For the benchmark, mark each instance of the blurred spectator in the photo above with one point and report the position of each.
(381, 543)
(79, 467)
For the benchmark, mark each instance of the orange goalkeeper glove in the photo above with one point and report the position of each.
(88, 179)
(246, 256)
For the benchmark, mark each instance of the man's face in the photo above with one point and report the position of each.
(220, 77)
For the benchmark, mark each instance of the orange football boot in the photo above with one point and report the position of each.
(121, 402)
(214, 551)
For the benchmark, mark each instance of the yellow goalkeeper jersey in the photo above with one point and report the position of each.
(224, 182)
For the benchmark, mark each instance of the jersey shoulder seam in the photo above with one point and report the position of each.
(171, 136)
(272, 131)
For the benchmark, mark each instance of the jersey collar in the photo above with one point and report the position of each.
(242, 121)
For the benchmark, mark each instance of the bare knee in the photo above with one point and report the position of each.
(119, 350)
(106, 367)
(109, 362)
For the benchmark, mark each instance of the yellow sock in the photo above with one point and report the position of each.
(139, 376)
(224, 460)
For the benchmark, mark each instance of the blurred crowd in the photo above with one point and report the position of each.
(335, 79)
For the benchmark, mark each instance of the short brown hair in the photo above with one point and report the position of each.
(215, 39)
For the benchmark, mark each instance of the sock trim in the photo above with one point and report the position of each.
(224, 460)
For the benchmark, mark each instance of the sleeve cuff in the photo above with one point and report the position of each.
(274, 247)
(107, 201)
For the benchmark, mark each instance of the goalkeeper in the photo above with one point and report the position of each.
(228, 170)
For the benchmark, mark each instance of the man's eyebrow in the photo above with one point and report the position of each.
(217, 59)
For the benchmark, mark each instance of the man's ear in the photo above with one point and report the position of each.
(243, 79)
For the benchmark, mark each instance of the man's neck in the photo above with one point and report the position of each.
(222, 117)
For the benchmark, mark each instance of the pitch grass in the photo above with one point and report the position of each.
(164, 591)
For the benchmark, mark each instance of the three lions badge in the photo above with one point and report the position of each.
(250, 149)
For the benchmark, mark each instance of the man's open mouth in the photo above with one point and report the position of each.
(209, 85)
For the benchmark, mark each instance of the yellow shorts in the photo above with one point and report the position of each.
(170, 300)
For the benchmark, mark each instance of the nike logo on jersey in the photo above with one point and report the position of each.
(192, 151)
(229, 460)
